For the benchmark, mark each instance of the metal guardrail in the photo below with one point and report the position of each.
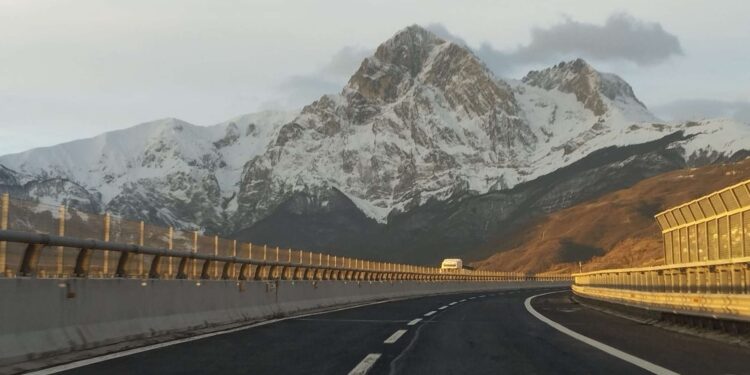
(235, 267)
(707, 256)
(716, 289)
(40, 240)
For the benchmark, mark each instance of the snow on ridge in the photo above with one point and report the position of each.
(151, 150)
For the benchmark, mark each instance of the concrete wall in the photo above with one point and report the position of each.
(43, 317)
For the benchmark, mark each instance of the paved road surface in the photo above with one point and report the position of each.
(479, 333)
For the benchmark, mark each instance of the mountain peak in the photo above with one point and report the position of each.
(409, 47)
(414, 56)
(578, 77)
(395, 64)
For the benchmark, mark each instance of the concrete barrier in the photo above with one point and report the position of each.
(45, 317)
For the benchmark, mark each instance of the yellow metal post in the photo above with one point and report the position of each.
(141, 241)
(234, 254)
(60, 232)
(170, 246)
(195, 251)
(5, 203)
(107, 220)
(216, 253)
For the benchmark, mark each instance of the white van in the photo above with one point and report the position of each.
(452, 264)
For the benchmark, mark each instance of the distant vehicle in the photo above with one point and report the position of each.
(452, 264)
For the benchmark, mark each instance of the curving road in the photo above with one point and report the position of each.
(480, 333)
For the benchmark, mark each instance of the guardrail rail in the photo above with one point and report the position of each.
(41, 240)
(707, 256)
(713, 289)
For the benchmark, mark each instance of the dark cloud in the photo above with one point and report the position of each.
(697, 109)
(622, 37)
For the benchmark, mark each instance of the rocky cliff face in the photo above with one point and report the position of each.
(422, 152)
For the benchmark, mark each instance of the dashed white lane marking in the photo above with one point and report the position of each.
(430, 313)
(472, 297)
(452, 303)
(642, 363)
(395, 336)
(442, 307)
(463, 300)
(483, 295)
(125, 353)
(413, 322)
(365, 364)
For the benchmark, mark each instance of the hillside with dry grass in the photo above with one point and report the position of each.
(615, 230)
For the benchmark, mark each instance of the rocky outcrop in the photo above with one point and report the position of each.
(589, 86)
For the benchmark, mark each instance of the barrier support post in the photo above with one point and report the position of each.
(61, 233)
(4, 209)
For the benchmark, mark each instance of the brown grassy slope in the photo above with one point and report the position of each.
(615, 230)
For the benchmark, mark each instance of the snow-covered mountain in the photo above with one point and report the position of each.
(422, 119)
(166, 171)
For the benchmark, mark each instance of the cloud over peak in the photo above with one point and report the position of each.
(621, 37)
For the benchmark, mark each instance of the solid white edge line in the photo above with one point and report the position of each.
(365, 365)
(394, 337)
(430, 313)
(413, 322)
(125, 353)
(642, 363)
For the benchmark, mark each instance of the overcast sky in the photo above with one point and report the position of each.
(75, 68)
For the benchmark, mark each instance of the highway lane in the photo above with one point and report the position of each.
(449, 334)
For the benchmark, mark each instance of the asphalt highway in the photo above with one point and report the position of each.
(476, 333)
